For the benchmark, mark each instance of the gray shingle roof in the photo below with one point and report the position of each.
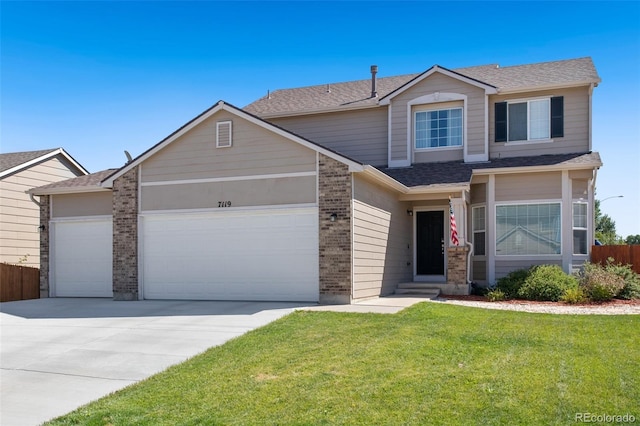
(81, 182)
(458, 172)
(336, 96)
(14, 159)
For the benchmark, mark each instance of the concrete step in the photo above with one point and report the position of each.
(418, 288)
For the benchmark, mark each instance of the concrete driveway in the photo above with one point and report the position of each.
(59, 354)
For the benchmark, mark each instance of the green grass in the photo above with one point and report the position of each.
(429, 364)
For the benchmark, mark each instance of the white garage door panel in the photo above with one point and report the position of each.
(82, 254)
(266, 255)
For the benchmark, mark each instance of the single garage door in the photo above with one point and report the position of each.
(81, 258)
(224, 255)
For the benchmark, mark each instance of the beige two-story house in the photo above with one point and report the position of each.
(344, 191)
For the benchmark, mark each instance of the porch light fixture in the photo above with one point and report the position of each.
(41, 228)
(333, 217)
(409, 212)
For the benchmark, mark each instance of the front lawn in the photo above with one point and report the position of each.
(429, 364)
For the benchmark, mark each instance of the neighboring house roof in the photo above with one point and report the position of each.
(357, 94)
(14, 162)
(459, 173)
(222, 105)
(87, 183)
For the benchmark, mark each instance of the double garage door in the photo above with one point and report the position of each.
(268, 254)
(243, 255)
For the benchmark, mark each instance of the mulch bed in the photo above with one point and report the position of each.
(612, 303)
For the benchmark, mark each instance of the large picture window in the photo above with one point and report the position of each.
(438, 128)
(528, 229)
(580, 228)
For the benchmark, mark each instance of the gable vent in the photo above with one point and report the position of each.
(223, 134)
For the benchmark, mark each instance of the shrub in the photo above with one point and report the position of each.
(511, 284)
(574, 295)
(496, 295)
(599, 283)
(546, 282)
(631, 289)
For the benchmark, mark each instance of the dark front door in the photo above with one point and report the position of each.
(430, 243)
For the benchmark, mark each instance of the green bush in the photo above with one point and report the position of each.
(631, 289)
(573, 296)
(546, 282)
(511, 284)
(496, 295)
(600, 283)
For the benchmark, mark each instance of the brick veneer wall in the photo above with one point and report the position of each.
(457, 265)
(334, 196)
(45, 216)
(125, 236)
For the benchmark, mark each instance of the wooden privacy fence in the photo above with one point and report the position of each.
(18, 282)
(625, 254)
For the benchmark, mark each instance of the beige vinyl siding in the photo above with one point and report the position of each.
(576, 125)
(503, 267)
(240, 193)
(479, 270)
(85, 204)
(19, 216)
(254, 151)
(474, 117)
(478, 193)
(361, 135)
(528, 186)
(381, 240)
(579, 189)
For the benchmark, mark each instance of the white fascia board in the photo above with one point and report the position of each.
(533, 169)
(221, 105)
(384, 179)
(76, 190)
(547, 87)
(432, 189)
(489, 90)
(42, 158)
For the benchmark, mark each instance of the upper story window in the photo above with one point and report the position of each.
(438, 128)
(529, 120)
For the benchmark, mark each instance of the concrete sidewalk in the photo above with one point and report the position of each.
(59, 354)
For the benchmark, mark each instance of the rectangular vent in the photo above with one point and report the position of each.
(223, 134)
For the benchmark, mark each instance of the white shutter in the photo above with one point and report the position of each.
(223, 134)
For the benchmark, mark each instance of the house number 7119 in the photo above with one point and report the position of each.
(224, 203)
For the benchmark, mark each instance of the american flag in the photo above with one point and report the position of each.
(452, 222)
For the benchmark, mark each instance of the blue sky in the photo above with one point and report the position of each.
(97, 78)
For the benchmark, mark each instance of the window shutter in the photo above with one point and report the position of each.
(223, 134)
(500, 121)
(557, 117)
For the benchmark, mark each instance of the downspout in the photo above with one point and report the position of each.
(466, 240)
(33, 199)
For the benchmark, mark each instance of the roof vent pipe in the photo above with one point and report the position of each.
(374, 71)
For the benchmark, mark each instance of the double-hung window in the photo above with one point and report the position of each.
(438, 128)
(579, 228)
(529, 120)
(479, 230)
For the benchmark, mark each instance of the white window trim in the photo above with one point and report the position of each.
(432, 108)
(222, 123)
(580, 228)
(436, 97)
(528, 141)
(497, 204)
(484, 229)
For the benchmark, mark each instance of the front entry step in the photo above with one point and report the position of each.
(423, 289)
